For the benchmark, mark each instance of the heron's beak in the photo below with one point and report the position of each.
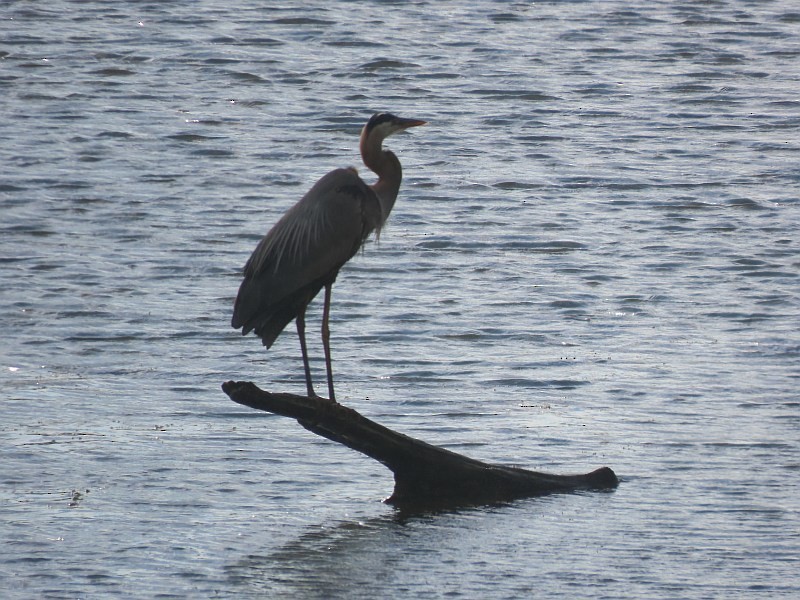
(406, 123)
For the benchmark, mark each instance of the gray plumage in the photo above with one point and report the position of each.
(305, 249)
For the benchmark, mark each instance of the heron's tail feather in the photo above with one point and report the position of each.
(266, 326)
(268, 319)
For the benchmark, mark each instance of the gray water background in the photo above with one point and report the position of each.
(593, 261)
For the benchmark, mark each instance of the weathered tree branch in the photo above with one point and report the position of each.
(424, 475)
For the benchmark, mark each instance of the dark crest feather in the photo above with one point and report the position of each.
(379, 118)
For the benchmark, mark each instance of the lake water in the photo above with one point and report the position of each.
(594, 260)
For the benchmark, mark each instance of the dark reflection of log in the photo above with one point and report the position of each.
(424, 475)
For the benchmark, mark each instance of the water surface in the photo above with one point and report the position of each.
(593, 261)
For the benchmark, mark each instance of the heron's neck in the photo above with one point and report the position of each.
(386, 165)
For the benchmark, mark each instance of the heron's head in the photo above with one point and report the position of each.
(382, 125)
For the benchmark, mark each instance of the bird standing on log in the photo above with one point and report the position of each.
(305, 249)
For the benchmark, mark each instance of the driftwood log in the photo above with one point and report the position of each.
(425, 476)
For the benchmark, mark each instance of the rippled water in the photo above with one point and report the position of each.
(593, 261)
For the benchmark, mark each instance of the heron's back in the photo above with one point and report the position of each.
(303, 252)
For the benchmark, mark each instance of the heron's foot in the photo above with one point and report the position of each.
(315, 396)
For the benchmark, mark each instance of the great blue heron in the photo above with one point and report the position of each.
(305, 249)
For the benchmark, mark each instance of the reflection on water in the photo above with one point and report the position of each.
(355, 559)
(400, 554)
(327, 561)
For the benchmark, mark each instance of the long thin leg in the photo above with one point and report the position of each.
(326, 339)
(301, 333)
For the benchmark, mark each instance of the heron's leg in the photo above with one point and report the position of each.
(301, 333)
(326, 339)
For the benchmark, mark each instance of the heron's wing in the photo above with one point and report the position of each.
(305, 250)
